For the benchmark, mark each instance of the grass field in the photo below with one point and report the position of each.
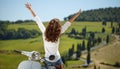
(10, 61)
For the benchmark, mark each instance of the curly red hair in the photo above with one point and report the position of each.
(53, 30)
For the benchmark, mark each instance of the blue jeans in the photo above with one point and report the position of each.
(59, 62)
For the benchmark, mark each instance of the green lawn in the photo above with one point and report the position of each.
(10, 61)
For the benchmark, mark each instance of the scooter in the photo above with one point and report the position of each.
(33, 61)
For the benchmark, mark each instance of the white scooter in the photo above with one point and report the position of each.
(33, 61)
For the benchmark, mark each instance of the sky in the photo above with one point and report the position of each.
(14, 10)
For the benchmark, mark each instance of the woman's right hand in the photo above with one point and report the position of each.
(75, 16)
(28, 5)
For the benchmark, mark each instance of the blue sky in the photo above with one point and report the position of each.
(13, 10)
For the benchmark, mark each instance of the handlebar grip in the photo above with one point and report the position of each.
(18, 51)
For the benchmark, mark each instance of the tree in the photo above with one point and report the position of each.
(119, 25)
(94, 42)
(103, 30)
(66, 19)
(1, 34)
(92, 35)
(83, 45)
(10, 34)
(28, 21)
(88, 45)
(113, 30)
(99, 40)
(107, 39)
(88, 49)
(3, 26)
(104, 23)
(20, 32)
(73, 31)
(3, 29)
(73, 48)
(111, 24)
(19, 21)
(84, 32)
(71, 52)
(117, 30)
(78, 52)
(34, 33)
(88, 58)
(64, 60)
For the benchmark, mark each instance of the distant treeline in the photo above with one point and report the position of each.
(16, 22)
(102, 14)
(20, 33)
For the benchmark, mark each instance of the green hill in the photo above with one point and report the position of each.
(102, 14)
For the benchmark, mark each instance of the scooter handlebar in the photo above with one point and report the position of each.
(33, 55)
(18, 51)
(29, 54)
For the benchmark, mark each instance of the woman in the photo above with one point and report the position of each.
(51, 36)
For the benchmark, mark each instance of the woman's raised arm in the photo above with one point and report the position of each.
(68, 23)
(75, 16)
(37, 19)
(28, 5)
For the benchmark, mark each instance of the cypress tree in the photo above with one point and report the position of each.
(88, 58)
(103, 30)
(83, 45)
(107, 39)
(113, 30)
(78, 52)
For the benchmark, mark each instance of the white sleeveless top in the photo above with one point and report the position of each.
(51, 48)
